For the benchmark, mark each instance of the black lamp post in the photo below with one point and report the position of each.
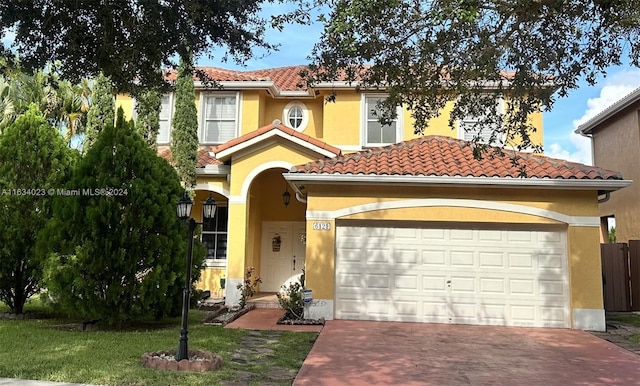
(183, 209)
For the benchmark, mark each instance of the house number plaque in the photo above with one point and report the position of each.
(321, 226)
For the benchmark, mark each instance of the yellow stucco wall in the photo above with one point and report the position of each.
(252, 110)
(210, 280)
(574, 202)
(127, 104)
(341, 120)
(585, 270)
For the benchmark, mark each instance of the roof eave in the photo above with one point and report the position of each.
(256, 85)
(587, 128)
(601, 185)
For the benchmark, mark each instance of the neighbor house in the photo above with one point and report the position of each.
(615, 139)
(389, 225)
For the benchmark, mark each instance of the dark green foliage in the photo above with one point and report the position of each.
(478, 51)
(129, 40)
(184, 142)
(118, 250)
(34, 162)
(148, 109)
(102, 111)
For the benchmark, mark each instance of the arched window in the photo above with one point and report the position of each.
(296, 116)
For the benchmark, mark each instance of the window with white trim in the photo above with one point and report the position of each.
(166, 115)
(375, 133)
(469, 127)
(296, 115)
(214, 235)
(219, 117)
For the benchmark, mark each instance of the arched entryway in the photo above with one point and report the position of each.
(277, 231)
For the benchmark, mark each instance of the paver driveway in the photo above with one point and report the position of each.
(386, 353)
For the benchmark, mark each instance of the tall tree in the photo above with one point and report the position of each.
(184, 142)
(122, 251)
(148, 108)
(127, 40)
(34, 163)
(479, 51)
(102, 111)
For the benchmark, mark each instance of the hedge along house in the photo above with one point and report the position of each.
(389, 225)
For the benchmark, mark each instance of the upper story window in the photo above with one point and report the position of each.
(375, 133)
(166, 115)
(214, 236)
(296, 116)
(470, 127)
(219, 117)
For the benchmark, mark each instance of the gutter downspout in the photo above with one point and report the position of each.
(606, 198)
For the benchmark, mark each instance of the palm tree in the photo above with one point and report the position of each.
(73, 105)
(7, 108)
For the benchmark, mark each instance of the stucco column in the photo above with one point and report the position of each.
(585, 273)
(320, 267)
(235, 252)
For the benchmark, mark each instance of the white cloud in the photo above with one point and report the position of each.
(615, 88)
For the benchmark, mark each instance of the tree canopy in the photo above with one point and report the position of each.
(129, 40)
(478, 51)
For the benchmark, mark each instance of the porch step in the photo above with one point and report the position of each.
(265, 304)
(265, 300)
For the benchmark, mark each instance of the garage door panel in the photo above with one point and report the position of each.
(460, 284)
(378, 281)
(408, 257)
(551, 287)
(406, 282)
(487, 276)
(461, 235)
(491, 259)
(350, 254)
(522, 287)
(378, 256)
(462, 259)
(434, 284)
(492, 286)
(349, 281)
(520, 260)
(434, 258)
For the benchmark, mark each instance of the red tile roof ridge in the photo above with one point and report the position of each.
(442, 156)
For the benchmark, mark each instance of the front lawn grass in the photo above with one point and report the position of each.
(627, 318)
(49, 349)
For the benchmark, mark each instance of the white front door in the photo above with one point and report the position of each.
(282, 253)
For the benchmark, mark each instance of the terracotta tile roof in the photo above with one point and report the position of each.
(448, 157)
(204, 156)
(277, 125)
(284, 78)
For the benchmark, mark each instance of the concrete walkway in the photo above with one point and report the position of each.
(386, 353)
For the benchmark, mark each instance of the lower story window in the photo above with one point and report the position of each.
(214, 236)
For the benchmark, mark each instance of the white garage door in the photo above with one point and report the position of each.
(511, 277)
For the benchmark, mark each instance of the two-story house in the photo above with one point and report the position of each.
(389, 225)
(615, 140)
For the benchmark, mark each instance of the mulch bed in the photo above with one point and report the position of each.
(300, 322)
